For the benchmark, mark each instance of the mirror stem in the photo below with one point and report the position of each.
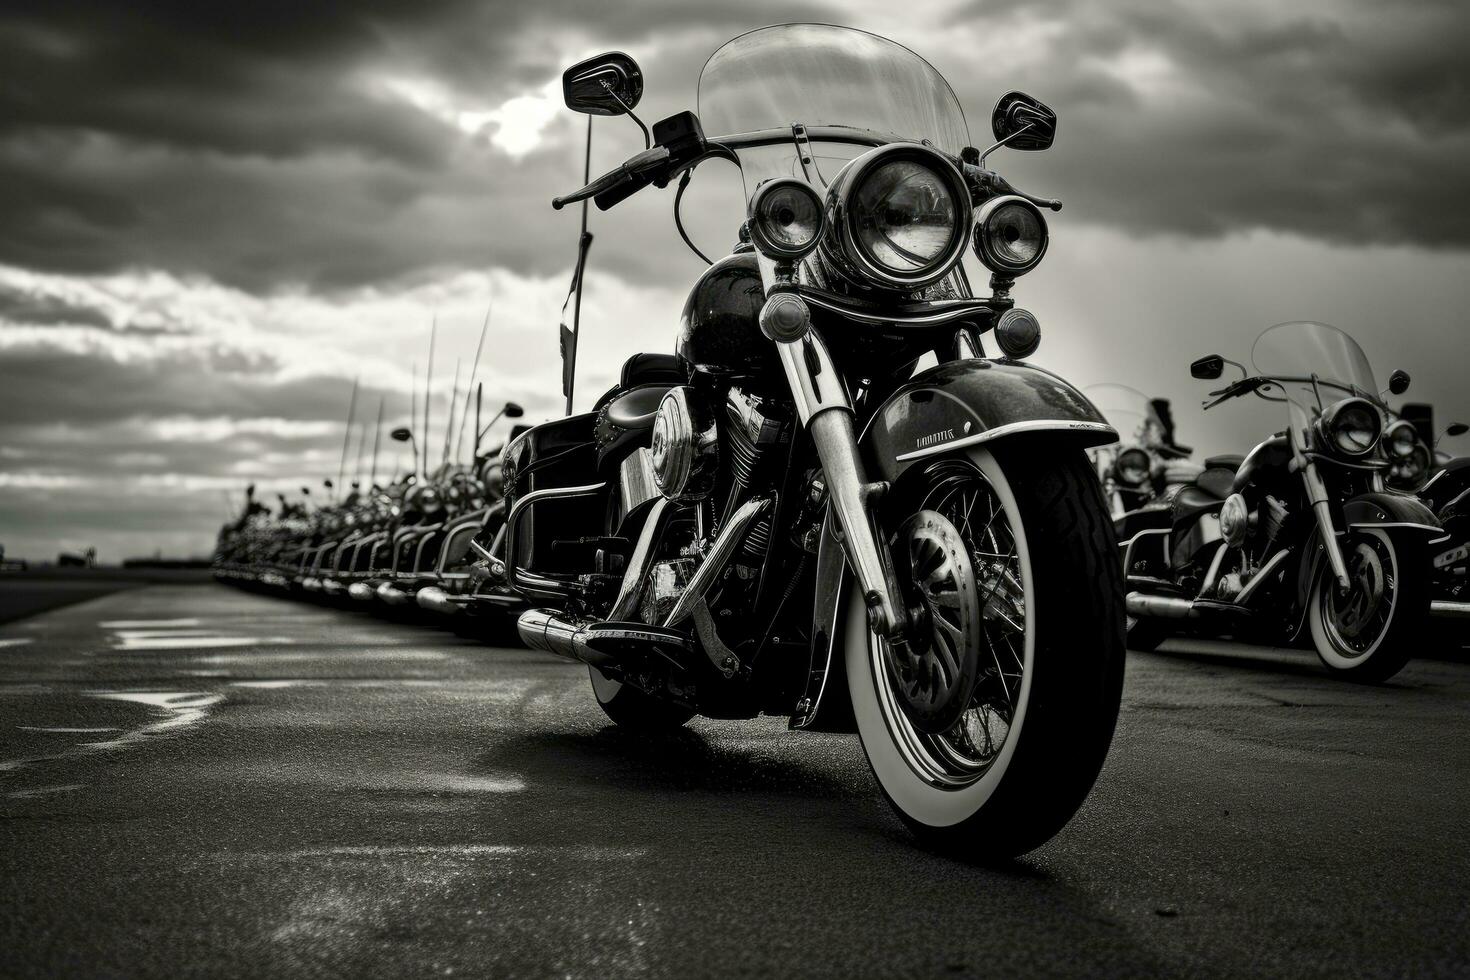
(647, 136)
(997, 145)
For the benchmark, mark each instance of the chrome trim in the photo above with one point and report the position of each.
(1214, 571)
(636, 481)
(1262, 576)
(1450, 610)
(435, 600)
(719, 556)
(632, 588)
(816, 390)
(933, 313)
(517, 576)
(1432, 529)
(1010, 428)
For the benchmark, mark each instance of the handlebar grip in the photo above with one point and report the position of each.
(620, 192)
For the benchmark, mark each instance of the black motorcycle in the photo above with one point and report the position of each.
(1442, 481)
(789, 515)
(1303, 535)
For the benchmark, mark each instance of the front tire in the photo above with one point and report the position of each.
(1367, 634)
(962, 792)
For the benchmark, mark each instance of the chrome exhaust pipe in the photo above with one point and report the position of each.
(1146, 606)
(436, 600)
(1449, 609)
(391, 595)
(593, 643)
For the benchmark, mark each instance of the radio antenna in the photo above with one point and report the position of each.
(474, 372)
(346, 437)
(428, 383)
(453, 400)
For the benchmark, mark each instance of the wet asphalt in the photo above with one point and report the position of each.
(200, 781)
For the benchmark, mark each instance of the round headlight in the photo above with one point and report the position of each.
(1010, 235)
(1407, 472)
(898, 216)
(1352, 427)
(1401, 439)
(786, 218)
(1132, 467)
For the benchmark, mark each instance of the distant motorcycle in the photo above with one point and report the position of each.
(1145, 466)
(790, 515)
(1443, 483)
(1302, 534)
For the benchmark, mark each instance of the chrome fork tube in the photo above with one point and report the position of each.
(823, 405)
(1317, 495)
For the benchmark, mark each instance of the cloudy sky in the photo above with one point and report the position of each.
(213, 218)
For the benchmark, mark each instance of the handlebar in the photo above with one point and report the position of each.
(624, 180)
(987, 183)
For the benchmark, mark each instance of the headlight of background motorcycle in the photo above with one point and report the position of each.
(1408, 472)
(786, 218)
(1132, 467)
(1408, 457)
(1351, 427)
(1010, 235)
(899, 216)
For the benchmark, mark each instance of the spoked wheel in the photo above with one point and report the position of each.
(1365, 632)
(987, 726)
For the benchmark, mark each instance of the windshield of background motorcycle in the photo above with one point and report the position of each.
(1129, 411)
(1306, 349)
(819, 75)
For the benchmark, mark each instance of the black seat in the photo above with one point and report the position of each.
(643, 369)
(1230, 461)
(1193, 500)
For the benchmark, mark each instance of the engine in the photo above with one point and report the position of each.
(686, 447)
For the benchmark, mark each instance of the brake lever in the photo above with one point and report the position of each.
(992, 184)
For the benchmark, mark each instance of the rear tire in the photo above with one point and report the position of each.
(632, 709)
(1018, 794)
(1369, 635)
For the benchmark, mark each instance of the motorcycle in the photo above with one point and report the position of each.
(791, 514)
(1145, 466)
(1442, 481)
(1302, 536)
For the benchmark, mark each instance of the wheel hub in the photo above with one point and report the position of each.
(1355, 608)
(938, 667)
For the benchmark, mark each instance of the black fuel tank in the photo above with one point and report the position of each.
(720, 328)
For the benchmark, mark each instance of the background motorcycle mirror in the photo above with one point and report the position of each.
(1022, 122)
(513, 411)
(1457, 429)
(606, 85)
(401, 435)
(1398, 382)
(1208, 368)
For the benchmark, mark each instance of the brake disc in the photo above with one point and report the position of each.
(937, 669)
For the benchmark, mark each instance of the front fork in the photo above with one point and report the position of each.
(825, 409)
(1317, 495)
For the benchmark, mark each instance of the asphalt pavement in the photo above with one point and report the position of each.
(200, 781)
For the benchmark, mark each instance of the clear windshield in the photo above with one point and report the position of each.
(824, 77)
(1304, 350)
(1129, 411)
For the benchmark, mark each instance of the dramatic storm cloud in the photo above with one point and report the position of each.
(216, 218)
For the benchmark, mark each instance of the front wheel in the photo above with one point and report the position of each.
(1366, 632)
(1012, 570)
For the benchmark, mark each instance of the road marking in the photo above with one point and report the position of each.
(147, 624)
(26, 794)
(181, 710)
(179, 634)
(16, 641)
(67, 731)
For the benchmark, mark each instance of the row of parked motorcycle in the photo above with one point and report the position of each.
(849, 498)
